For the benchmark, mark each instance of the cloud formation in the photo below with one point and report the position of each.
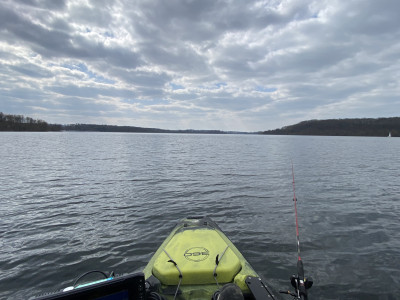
(210, 64)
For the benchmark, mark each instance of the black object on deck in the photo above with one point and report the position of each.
(127, 287)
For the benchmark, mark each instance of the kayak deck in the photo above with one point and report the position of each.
(195, 253)
(195, 261)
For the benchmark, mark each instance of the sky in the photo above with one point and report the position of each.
(199, 64)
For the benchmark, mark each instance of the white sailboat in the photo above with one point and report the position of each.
(390, 134)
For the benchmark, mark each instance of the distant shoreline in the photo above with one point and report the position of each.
(379, 127)
(21, 123)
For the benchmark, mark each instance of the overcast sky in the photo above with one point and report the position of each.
(200, 64)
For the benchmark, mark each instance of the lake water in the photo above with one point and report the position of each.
(74, 202)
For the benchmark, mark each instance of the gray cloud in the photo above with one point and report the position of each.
(46, 4)
(32, 70)
(59, 43)
(235, 65)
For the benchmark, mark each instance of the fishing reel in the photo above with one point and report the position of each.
(300, 286)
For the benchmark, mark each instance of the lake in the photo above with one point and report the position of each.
(72, 202)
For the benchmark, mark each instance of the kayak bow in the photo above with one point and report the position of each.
(197, 260)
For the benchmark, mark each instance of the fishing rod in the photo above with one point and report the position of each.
(299, 281)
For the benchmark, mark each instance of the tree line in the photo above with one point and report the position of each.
(115, 128)
(22, 123)
(110, 128)
(343, 127)
(332, 127)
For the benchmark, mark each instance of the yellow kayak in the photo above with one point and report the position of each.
(198, 261)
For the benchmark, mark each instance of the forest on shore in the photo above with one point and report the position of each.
(115, 128)
(22, 123)
(343, 127)
(332, 127)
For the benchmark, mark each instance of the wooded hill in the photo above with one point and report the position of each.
(21, 123)
(342, 127)
(115, 128)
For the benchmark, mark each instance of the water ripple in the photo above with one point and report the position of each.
(73, 202)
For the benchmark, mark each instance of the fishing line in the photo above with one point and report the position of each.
(295, 212)
(299, 282)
